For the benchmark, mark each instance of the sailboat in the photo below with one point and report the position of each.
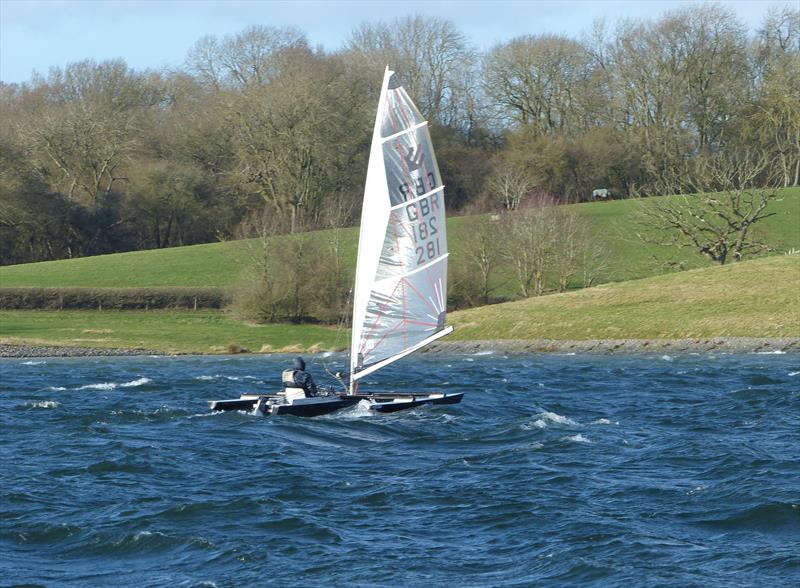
(400, 293)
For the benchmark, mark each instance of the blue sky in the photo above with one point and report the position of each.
(35, 35)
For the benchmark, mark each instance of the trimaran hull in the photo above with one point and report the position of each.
(274, 405)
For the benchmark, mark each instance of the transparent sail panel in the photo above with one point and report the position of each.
(411, 168)
(400, 112)
(403, 312)
(415, 236)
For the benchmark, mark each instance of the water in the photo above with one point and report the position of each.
(555, 470)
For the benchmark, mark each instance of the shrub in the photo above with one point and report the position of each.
(111, 298)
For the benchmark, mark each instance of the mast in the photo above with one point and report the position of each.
(372, 211)
(400, 298)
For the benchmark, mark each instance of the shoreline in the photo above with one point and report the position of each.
(505, 346)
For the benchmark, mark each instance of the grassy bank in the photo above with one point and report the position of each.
(759, 298)
(220, 264)
(163, 330)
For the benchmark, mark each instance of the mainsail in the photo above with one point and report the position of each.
(400, 294)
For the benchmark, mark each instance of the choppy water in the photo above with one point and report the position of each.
(555, 470)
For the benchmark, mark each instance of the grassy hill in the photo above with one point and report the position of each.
(759, 298)
(221, 264)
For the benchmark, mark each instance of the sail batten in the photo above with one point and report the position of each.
(421, 268)
(404, 131)
(400, 297)
(418, 198)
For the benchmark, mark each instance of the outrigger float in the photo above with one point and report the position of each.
(400, 294)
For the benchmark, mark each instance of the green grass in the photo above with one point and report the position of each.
(221, 264)
(759, 298)
(165, 331)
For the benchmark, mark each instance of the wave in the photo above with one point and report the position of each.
(113, 385)
(776, 352)
(576, 438)
(101, 386)
(794, 373)
(667, 357)
(603, 422)
(33, 362)
(545, 419)
(56, 388)
(774, 516)
(359, 411)
(205, 378)
(41, 404)
(136, 383)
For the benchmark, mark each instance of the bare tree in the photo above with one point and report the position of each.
(719, 225)
(509, 183)
(83, 126)
(483, 255)
(432, 58)
(540, 81)
(253, 56)
(529, 243)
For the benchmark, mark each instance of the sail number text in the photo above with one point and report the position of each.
(423, 222)
(407, 191)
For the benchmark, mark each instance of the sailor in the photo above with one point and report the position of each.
(298, 377)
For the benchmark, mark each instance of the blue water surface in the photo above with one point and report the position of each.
(554, 471)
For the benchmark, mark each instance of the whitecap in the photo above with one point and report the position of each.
(43, 404)
(135, 383)
(359, 411)
(601, 422)
(102, 386)
(666, 357)
(576, 439)
(487, 352)
(557, 418)
(776, 352)
(547, 418)
(205, 378)
(468, 359)
(794, 373)
(33, 362)
(56, 388)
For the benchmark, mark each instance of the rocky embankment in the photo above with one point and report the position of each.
(620, 346)
(7, 350)
(506, 346)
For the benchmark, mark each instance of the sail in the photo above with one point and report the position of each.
(400, 294)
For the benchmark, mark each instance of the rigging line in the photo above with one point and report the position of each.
(339, 329)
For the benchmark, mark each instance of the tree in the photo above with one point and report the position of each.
(297, 138)
(529, 238)
(541, 81)
(483, 255)
(719, 225)
(252, 57)
(431, 57)
(508, 184)
(776, 114)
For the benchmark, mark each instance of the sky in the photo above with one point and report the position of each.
(38, 34)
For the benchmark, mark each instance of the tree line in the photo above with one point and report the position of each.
(260, 129)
